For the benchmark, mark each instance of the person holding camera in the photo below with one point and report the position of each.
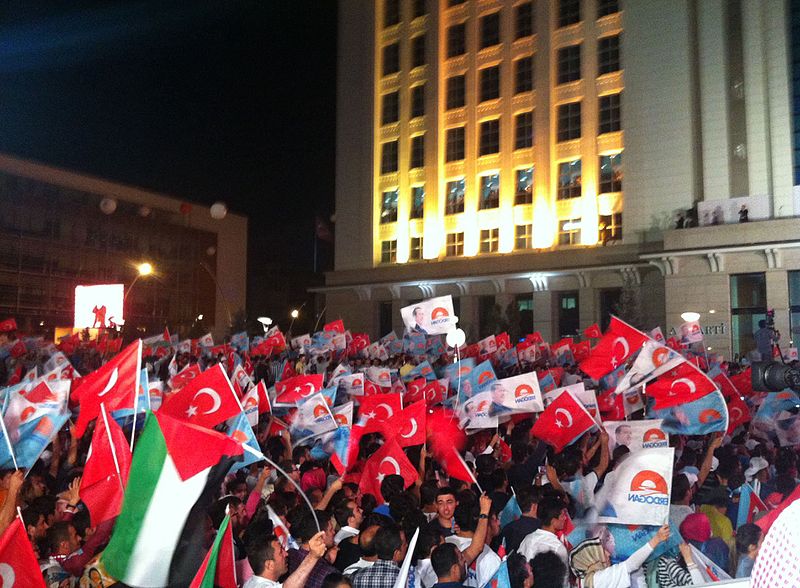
(766, 336)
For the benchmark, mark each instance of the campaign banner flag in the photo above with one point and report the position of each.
(423, 369)
(500, 579)
(517, 394)
(477, 380)
(299, 343)
(487, 346)
(434, 316)
(632, 401)
(33, 436)
(636, 435)
(352, 384)
(710, 571)
(547, 383)
(380, 376)
(629, 538)
(240, 430)
(705, 415)
(658, 336)
(637, 492)
(313, 418)
(474, 412)
(510, 513)
(690, 332)
(377, 350)
(653, 360)
(455, 372)
(415, 343)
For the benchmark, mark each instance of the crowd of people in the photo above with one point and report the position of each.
(527, 518)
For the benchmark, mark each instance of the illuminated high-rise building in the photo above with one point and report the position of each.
(532, 158)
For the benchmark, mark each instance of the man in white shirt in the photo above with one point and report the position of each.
(269, 561)
(349, 517)
(472, 524)
(553, 516)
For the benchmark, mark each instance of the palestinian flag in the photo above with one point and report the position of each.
(218, 569)
(176, 470)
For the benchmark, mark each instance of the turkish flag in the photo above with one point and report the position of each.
(562, 422)
(115, 384)
(414, 390)
(183, 377)
(535, 337)
(372, 389)
(8, 325)
(444, 433)
(262, 348)
(455, 466)
(334, 326)
(206, 401)
(288, 371)
(593, 332)
(389, 459)
(435, 392)
(503, 341)
(738, 412)
(276, 341)
(20, 568)
(565, 341)
(684, 383)
(743, 382)
(380, 407)
(582, 350)
(618, 344)
(290, 390)
(106, 471)
(263, 398)
(725, 386)
(276, 427)
(673, 344)
(18, 349)
(611, 405)
(409, 425)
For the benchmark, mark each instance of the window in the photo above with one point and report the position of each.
(389, 157)
(610, 117)
(569, 121)
(523, 237)
(490, 30)
(523, 74)
(417, 201)
(386, 316)
(389, 207)
(748, 306)
(391, 59)
(390, 108)
(418, 8)
(417, 152)
(418, 101)
(608, 54)
(611, 173)
(389, 251)
(523, 20)
(610, 227)
(391, 12)
(456, 92)
(568, 314)
(415, 251)
(569, 179)
(454, 148)
(457, 40)
(569, 231)
(569, 64)
(524, 304)
(455, 197)
(455, 244)
(418, 51)
(606, 7)
(523, 130)
(490, 240)
(489, 79)
(794, 304)
(524, 191)
(489, 137)
(451, 3)
(490, 192)
(569, 12)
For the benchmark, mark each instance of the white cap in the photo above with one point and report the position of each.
(756, 465)
(714, 464)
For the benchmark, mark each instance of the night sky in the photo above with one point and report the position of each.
(231, 100)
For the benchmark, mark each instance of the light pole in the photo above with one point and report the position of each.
(294, 314)
(143, 269)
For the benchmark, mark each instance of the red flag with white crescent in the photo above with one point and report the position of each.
(206, 401)
(290, 390)
(19, 567)
(563, 422)
(389, 459)
(618, 344)
(685, 383)
(409, 425)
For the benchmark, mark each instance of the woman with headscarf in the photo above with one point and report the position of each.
(590, 562)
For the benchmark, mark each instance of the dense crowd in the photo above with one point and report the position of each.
(527, 517)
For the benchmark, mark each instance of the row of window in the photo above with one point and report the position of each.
(391, 55)
(569, 186)
(391, 11)
(390, 105)
(609, 227)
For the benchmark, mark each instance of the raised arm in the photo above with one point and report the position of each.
(479, 537)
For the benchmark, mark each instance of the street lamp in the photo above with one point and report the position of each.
(265, 322)
(143, 269)
(294, 314)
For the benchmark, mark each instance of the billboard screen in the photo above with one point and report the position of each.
(98, 306)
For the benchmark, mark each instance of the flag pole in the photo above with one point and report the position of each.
(8, 442)
(135, 410)
(111, 444)
(299, 490)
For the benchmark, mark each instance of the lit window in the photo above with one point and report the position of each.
(489, 83)
(456, 92)
(489, 137)
(389, 207)
(418, 101)
(610, 113)
(569, 121)
(417, 201)
(415, 252)
(389, 157)
(417, 151)
(490, 30)
(610, 227)
(611, 173)
(490, 240)
(456, 40)
(523, 130)
(523, 20)
(390, 108)
(389, 251)
(608, 55)
(455, 244)
(455, 197)
(454, 144)
(523, 74)
(418, 51)
(391, 59)
(569, 179)
(569, 12)
(490, 192)
(524, 192)
(569, 231)
(523, 237)
(569, 64)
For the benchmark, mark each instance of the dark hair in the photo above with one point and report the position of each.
(391, 486)
(304, 528)
(342, 512)
(57, 533)
(680, 486)
(402, 505)
(444, 491)
(218, 509)
(526, 499)
(517, 572)
(444, 557)
(261, 549)
(569, 461)
(548, 570)
(785, 484)
(259, 526)
(519, 451)
(498, 478)
(549, 508)
(387, 541)
(426, 542)
(427, 492)
(30, 516)
(368, 503)
(299, 452)
(466, 515)
(333, 580)
(366, 541)
(747, 535)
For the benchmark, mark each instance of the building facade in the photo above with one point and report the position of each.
(60, 229)
(532, 158)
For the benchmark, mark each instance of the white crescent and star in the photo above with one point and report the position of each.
(627, 349)
(413, 430)
(211, 393)
(738, 412)
(392, 461)
(7, 574)
(566, 416)
(389, 411)
(112, 381)
(310, 390)
(687, 382)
